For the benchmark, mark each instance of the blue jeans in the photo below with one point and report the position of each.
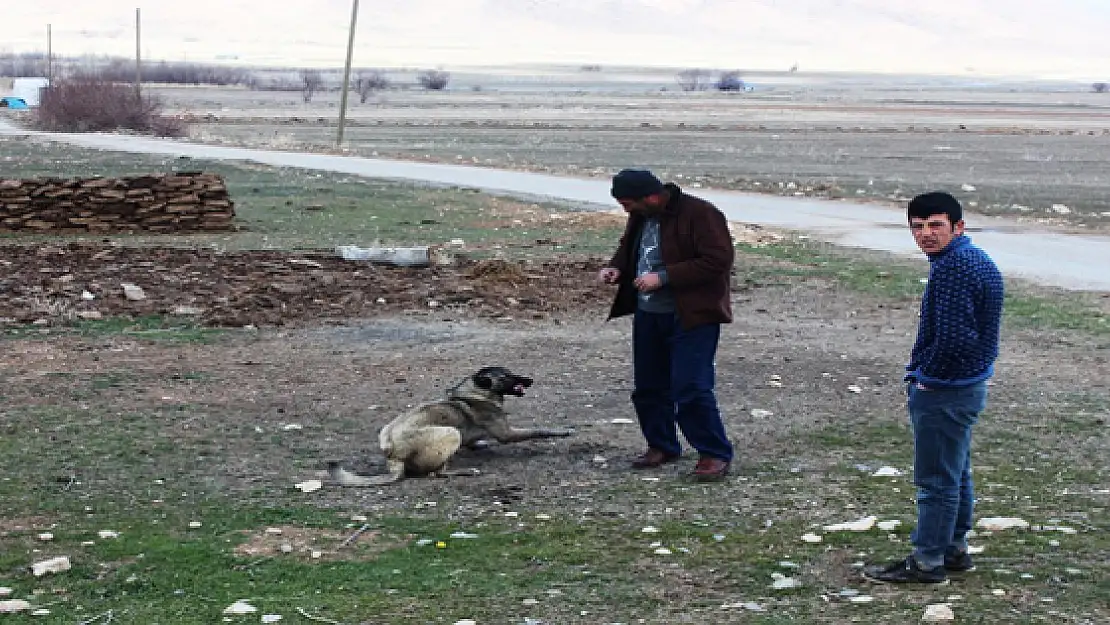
(942, 420)
(674, 376)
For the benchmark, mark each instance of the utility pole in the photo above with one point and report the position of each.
(347, 75)
(49, 58)
(138, 56)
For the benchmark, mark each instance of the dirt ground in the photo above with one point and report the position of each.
(320, 360)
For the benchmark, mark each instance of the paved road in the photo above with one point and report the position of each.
(1069, 261)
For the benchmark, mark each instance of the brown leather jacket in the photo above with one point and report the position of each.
(698, 253)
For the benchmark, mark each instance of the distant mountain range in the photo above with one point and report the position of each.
(1062, 38)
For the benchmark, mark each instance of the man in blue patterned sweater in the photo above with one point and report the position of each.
(951, 361)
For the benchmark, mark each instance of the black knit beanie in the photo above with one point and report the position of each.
(635, 184)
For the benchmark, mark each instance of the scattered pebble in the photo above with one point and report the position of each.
(859, 525)
(888, 472)
(996, 524)
(240, 607)
(12, 606)
(60, 564)
(938, 613)
(309, 486)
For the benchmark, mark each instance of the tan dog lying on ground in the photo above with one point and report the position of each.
(420, 441)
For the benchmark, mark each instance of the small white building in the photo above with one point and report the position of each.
(30, 89)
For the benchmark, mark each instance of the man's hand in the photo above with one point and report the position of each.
(609, 275)
(648, 282)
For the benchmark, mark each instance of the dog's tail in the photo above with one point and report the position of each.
(343, 477)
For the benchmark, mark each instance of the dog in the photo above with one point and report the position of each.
(422, 440)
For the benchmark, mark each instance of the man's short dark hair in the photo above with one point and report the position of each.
(935, 203)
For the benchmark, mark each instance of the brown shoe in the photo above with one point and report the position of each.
(710, 469)
(653, 458)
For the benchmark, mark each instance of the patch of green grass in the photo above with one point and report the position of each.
(155, 328)
(298, 209)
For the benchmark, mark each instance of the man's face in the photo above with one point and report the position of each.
(935, 232)
(648, 205)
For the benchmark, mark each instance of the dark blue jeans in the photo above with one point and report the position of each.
(942, 420)
(674, 375)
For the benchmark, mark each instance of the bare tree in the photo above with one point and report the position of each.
(311, 82)
(434, 79)
(693, 79)
(367, 83)
(730, 81)
(1100, 87)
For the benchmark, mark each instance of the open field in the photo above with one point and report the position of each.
(185, 434)
(1030, 152)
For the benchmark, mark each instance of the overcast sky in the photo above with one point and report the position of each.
(1047, 38)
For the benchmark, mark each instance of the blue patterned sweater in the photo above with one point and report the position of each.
(961, 313)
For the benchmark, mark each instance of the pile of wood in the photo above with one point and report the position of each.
(178, 202)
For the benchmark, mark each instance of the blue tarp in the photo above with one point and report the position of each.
(12, 102)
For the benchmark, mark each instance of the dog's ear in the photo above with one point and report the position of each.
(483, 381)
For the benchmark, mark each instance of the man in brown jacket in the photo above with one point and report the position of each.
(672, 268)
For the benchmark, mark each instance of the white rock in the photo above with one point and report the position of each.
(316, 555)
(273, 531)
(758, 413)
(88, 297)
(530, 602)
(5, 591)
(973, 549)
(309, 486)
(967, 187)
(289, 427)
(811, 538)
(543, 517)
(456, 242)
(1057, 528)
(859, 525)
(46, 537)
(861, 599)
(108, 534)
(359, 518)
(886, 526)
(650, 530)
(466, 621)
(464, 535)
(622, 422)
(195, 525)
(888, 472)
(53, 565)
(240, 607)
(41, 612)
(12, 606)
(1060, 209)
(854, 388)
(271, 618)
(938, 613)
(133, 292)
(786, 583)
(600, 460)
(996, 524)
(998, 592)
(662, 551)
(285, 548)
(750, 606)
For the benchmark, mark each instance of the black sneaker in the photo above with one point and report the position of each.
(905, 572)
(958, 562)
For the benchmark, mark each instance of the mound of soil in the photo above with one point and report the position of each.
(53, 284)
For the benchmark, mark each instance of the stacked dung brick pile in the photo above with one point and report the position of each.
(179, 202)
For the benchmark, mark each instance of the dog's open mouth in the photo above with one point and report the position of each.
(519, 384)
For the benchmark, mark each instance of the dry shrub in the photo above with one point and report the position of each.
(91, 104)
